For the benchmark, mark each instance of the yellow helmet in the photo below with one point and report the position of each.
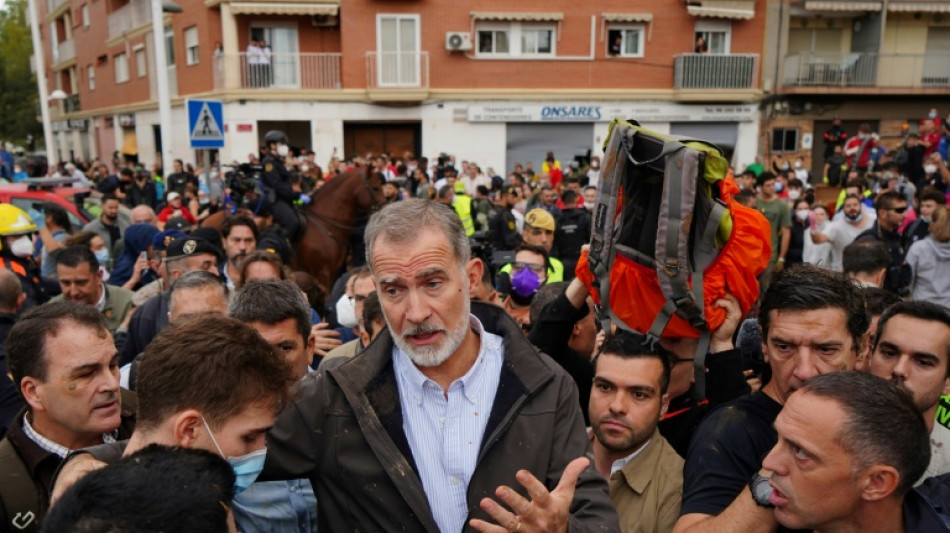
(459, 187)
(14, 221)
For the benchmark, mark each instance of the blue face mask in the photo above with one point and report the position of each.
(102, 256)
(779, 186)
(246, 467)
(525, 282)
(856, 218)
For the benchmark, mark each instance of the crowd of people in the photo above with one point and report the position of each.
(168, 376)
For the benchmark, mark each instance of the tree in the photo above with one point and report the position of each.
(18, 94)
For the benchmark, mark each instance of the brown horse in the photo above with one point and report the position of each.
(330, 217)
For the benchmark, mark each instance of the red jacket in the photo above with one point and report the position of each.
(169, 211)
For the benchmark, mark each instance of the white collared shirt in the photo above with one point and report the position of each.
(445, 431)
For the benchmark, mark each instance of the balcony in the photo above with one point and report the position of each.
(65, 51)
(715, 71)
(283, 71)
(875, 72)
(71, 104)
(55, 8)
(135, 14)
(397, 76)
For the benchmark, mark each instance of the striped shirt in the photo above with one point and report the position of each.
(445, 431)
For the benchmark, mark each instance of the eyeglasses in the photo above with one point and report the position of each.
(898, 210)
(521, 265)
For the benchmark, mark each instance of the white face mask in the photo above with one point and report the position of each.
(22, 247)
(283, 150)
(798, 164)
(802, 214)
(305, 168)
(794, 194)
(345, 313)
(930, 169)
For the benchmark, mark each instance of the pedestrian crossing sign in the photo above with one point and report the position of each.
(205, 124)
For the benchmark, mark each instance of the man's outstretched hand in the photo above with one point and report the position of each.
(546, 511)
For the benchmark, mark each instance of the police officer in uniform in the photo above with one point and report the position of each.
(277, 183)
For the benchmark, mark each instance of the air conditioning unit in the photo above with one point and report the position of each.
(458, 41)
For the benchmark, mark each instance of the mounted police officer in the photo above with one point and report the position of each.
(277, 183)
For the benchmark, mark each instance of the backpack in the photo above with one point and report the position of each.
(668, 239)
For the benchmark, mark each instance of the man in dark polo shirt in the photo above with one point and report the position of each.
(838, 466)
(813, 322)
(65, 365)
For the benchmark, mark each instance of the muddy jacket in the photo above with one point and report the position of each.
(345, 433)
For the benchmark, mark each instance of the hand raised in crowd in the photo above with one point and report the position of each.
(721, 339)
(326, 339)
(546, 511)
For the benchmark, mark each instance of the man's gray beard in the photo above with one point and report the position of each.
(433, 355)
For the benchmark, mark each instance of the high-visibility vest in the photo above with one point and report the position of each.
(555, 270)
(463, 208)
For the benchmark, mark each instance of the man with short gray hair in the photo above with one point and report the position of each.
(428, 425)
(193, 294)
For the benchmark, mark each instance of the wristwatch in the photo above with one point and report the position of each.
(761, 490)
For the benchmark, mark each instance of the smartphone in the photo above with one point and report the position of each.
(143, 256)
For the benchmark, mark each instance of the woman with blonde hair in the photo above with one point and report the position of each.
(929, 259)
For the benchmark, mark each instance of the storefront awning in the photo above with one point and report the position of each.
(628, 17)
(724, 9)
(919, 7)
(522, 17)
(285, 8)
(816, 5)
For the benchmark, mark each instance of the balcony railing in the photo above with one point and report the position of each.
(385, 70)
(715, 71)
(915, 71)
(71, 104)
(132, 15)
(279, 71)
(65, 51)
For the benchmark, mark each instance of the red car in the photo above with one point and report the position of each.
(30, 195)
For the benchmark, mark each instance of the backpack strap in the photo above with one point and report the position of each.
(600, 256)
(20, 501)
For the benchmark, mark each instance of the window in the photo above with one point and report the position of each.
(140, 68)
(191, 45)
(85, 16)
(515, 39)
(91, 74)
(785, 140)
(537, 41)
(121, 68)
(493, 42)
(169, 47)
(625, 41)
(715, 35)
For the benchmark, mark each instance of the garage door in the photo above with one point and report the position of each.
(722, 134)
(531, 142)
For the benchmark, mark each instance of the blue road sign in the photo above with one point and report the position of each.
(205, 124)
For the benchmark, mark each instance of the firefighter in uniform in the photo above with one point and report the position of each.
(16, 230)
(278, 191)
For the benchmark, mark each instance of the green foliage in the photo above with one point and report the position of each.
(18, 94)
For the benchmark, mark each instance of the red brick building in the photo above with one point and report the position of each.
(497, 82)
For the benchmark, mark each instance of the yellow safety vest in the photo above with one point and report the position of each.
(463, 208)
(555, 271)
